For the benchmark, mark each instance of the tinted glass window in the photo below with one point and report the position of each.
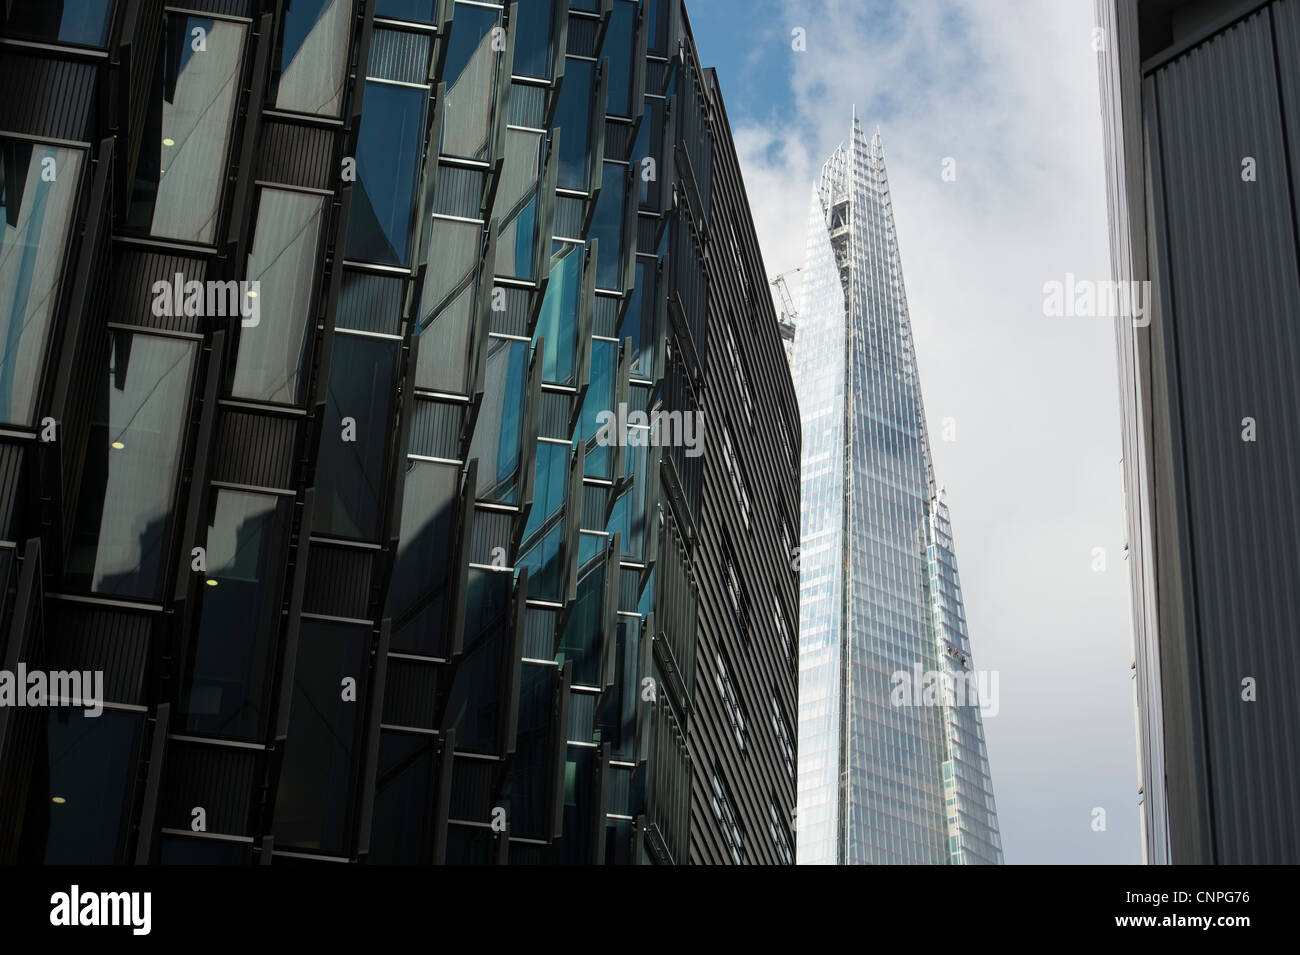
(401, 831)
(283, 263)
(38, 192)
(600, 398)
(127, 490)
(558, 320)
(388, 159)
(618, 47)
(474, 700)
(542, 548)
(449, 299)
(420, 589)
(528, 788)
(417, 11)
(177, 193)
(82, 22)
(573, 119)
(533, 38)
(607, 226)
(355, 440)
(80, 800)
(226, 692)
(497, 434)
(312, 55)
(516, 204)
(314, 801)
(470, 74)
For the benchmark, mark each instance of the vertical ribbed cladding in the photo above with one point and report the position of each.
(742, 796)
(1229, 286)
(49, 98)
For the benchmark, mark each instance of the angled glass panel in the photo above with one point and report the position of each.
(442, 363)
(607, 226)
(388, 161)
(618, 47)
(127, 491)
(638, 319)
(474, 703)
(352, 471)
(179, 179)
(226, 691)
(470, 74)
(573, 119)
(401, 833)
(557, 322)
(35, 221)
(315, 799)
(516, 204)
(599, 402)
(415, 11)
(79, 803)
(79, 22)
(419, 594)
(628, 514)
(649, 145)
(582, 638)
(283, 263)
(542, 549)
(312, 56)
(530, 785)
(497, 435)
(533, 39)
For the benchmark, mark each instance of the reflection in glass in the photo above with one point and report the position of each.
(497, 434)
(582, 638)
(444, 329)
(177, 193)
(127, 489)
(607, 226)
(573, 118)
(638, 319)
(600, 398)
(35, 216)
(416, 11)
(80, 22)
(470, 74)
(352, 469)
(314, 801)
(283, 262)
(618, 47)
(558, 319)
(516, 204)
(528, 790)
(533, 39)
(401, 832)
(225, 690)
(388, 159)
(473, 700)
(80, 799)
(542, 548)
(421, 586)
(312, 56)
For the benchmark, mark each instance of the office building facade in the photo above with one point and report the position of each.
(1202, 118)
(892, 760)
(372, 433)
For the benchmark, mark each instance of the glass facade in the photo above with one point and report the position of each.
(882, 779)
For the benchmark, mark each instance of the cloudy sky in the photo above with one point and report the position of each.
(1008, 89)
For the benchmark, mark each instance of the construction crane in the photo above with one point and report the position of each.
(787, 316)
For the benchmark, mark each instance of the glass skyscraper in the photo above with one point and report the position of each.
(892, 765)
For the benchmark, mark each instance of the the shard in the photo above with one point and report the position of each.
(892, 760)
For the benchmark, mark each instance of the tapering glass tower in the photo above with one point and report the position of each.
(892, 761)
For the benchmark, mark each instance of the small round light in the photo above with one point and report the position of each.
(58, 800)
(211, 582)
(118, 446)
(169, 141)
(252, 293)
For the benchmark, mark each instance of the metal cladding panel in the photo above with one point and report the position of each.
(217, 779)
(338, 582)
(1231, 294)
(46, 97)
(254, 449)
(296, 155)
(81, 637)
(134, 301)
(399, 56)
